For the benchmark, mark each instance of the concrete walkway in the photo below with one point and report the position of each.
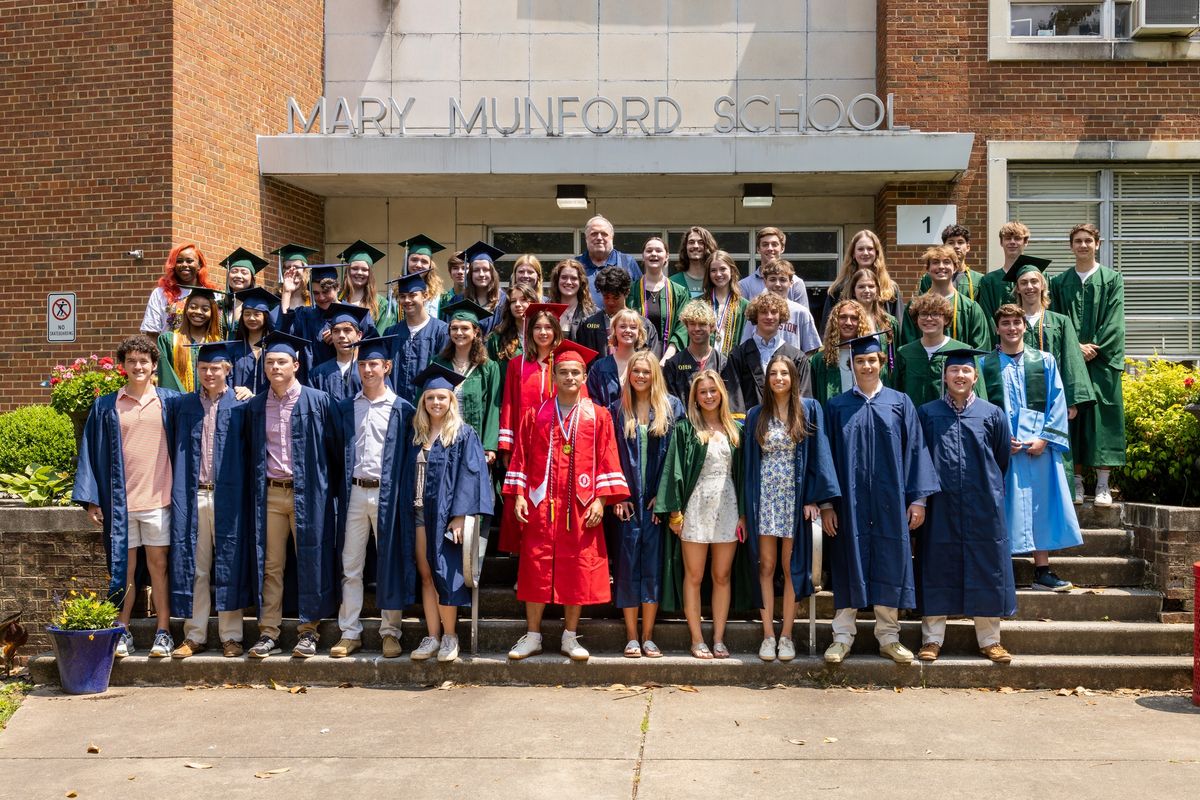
(504, 742)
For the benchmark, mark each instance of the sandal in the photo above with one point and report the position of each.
(700, 650)
(633, 649)
(720, 650)
(650, 650)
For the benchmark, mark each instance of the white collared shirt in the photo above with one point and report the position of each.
(370, 430)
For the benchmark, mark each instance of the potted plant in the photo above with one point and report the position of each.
(74, 387)
(84, 634)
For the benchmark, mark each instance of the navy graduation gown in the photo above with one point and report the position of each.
(637, 575)
(329, 379)
(457, 484)
(395, 571)
(100, 479)
(248, 370)
(963, 547)
(882, 467)
(816, 482)
(233, 550)
(307, 322)
(316, 469)
(604, 383)
(414, 352)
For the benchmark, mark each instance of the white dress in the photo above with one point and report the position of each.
(711, 515)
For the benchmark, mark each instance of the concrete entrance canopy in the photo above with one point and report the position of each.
(378, 165)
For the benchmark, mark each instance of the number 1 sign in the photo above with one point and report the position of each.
(923, 224)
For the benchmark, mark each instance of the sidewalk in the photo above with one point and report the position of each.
(503, 742)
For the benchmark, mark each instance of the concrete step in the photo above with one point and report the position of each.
(608, 636)
(1087, 571)
(1092, 516)
(552, 669)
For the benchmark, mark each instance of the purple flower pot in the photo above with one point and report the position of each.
(84, 658)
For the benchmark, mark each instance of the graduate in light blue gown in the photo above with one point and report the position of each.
(1038, 505)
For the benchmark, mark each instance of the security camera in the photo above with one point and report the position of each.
(136, 254)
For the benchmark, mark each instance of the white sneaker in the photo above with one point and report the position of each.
(572, 649)
(767, 650)
(124, 645)
(528, 645)
(786, 650)
(1078, 497)
(449, 648)
(1103, 496)
(428, 646)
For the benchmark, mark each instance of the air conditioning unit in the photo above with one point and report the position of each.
(1165, 17)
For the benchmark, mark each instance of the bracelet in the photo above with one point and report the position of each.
(676, 517)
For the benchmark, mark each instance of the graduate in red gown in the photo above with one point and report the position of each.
(564, 469)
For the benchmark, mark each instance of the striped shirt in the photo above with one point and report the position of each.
(279, 432)
(207, 431)
(144, 451)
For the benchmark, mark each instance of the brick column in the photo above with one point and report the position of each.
(1168, 538)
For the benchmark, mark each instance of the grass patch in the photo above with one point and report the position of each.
(11, 695)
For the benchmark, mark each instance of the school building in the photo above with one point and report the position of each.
(128, 126)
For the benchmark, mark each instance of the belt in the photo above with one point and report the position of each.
(280, 484)
(366, 483)
(206, 487)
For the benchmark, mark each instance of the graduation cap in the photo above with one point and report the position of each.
(280, 342)
(435, 376)
(412, 282)
(482, 251)
(570, 351)
(863, 345)
(361, 251)
(467, 310)
(556, 309)
(421, 244)
(377, 347)
(202, 291)
(257, 299)
(319, 272)
(964, 356)
(294, 252)
(214, 352)
(244, 258)
(1025, 264)
(337, 313)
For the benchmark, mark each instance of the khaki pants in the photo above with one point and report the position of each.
(987, 630)
(281, 528)
(362, 519)
(887, 625)
(229, 623)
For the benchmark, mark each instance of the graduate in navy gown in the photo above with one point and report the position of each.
(446, 479)
(419, 337)
(308, 322)
(787, 472)
(885, 475)
(373, 429)
(295, 465)
(260, 313)
(212, 553)
(643, 417)
(606, 374)
(962, 549)
(338, 377)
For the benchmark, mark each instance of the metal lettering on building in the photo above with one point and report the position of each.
(552, 116)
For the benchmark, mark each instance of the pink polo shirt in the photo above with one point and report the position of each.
(144, 451)
(279, 432)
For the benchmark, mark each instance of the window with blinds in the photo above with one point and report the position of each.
(1150, 223)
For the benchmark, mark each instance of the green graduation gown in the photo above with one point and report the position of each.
(827, 380)
(672, 328)
(680, 473)
(993, 291)
(920, 377)
(1055, 334)
(1097, 309)
(968, 324)
(480, 400)
(966, 282)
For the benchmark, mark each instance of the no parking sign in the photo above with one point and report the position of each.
(60, 317)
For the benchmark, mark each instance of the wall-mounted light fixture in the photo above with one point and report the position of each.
(757, 195)
(571, 196)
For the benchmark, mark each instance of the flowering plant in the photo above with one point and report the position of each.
(76, 386)
(1162, 439)
(82, 611)
(1193, 390)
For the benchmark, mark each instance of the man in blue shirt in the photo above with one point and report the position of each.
(598, 235)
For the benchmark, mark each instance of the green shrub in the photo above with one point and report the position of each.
(36, 435)
(1162, 440)
(39, 486)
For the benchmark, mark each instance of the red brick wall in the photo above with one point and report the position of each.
(933, 55)
(131, 125)
(85, 143)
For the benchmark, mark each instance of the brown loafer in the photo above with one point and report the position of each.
(996, 653)
(231, 649)
(188, 649)
(391, 647)
(929, 651)
(345, 647)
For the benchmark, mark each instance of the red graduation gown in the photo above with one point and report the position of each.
(561, 560)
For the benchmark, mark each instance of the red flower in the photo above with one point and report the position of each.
(55, 381)
(96, 391)
(106, 361)
(1188, 382)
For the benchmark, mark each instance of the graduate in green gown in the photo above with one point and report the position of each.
(920, 363)
(458, 281)
(1092, 296)
(200, 322)
(660, 300)
(994, 288)
(965, 279)
(967, 323)
(697, 247)
(480, 391)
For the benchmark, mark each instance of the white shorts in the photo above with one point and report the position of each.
(151, 527)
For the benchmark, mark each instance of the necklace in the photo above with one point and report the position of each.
(567, 425)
